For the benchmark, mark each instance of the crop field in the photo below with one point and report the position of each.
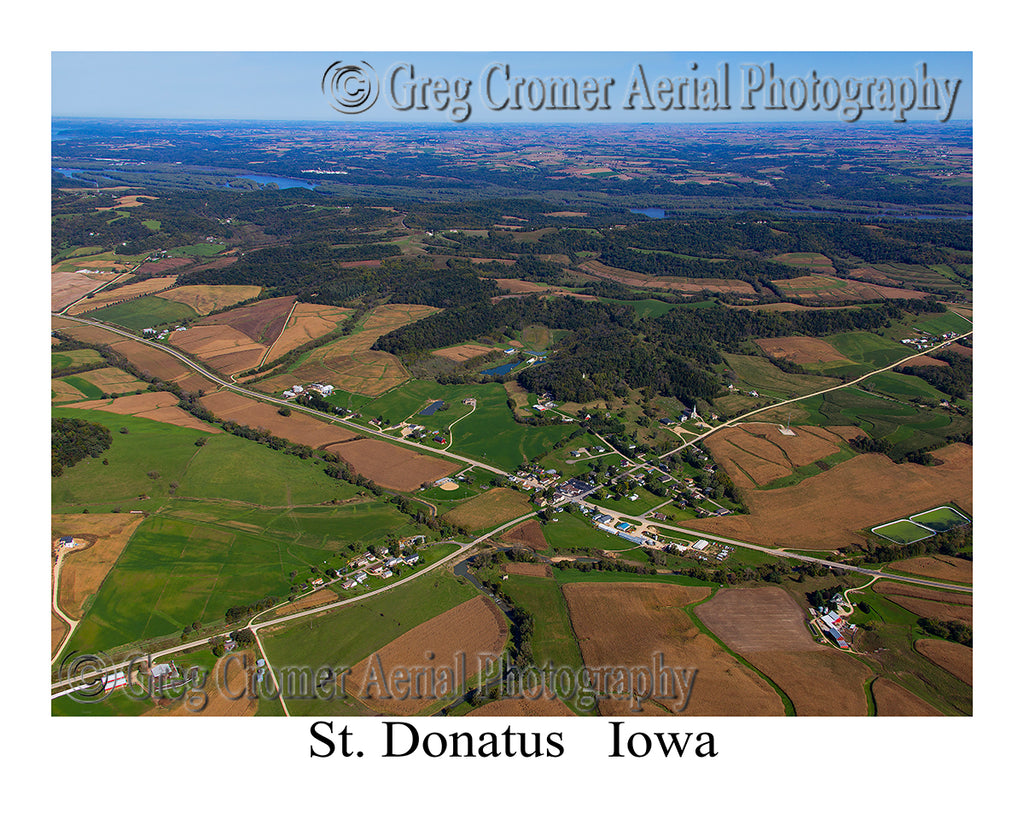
(392, 466)
(231, 673)
(902, 531)
(106, 260)
(297, 427)
(802, 350)
(157, 406)
(952, 569)
(223, 348)
(533, 704)
(628, 624)
(892, 700)
(815, 261)
(307, 322)
(341, 637)
(829, 288)
(162, 266)
(758, 454)
(261, 321)
(957, 659)
(929, 603)
(761, 619)
(110, 380)
(205, 298)
(73, 358)
(200, 249)
(144, 311)
(867, 348)
(133, 290)
(490, 509)
(528, 569)
(463, 352)
(631, 278)
(529, 534)
(63, 391)
(473, 633)
(349, 363)
(69, 286)
(759, 374)
(806, 516)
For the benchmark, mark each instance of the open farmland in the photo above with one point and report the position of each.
(206, 298)
(829, 288)
(893, 700)
(392, 466)
(941, 567)
(958, 660)
(801, 350)
(535, 703)
(349, 363)
(631, 278)
(756, 373)
(763, 619)
(628, 624)
(807, 516)
(463, 352)
(126, 292)
(223, 348)
(108, 380)
(142, 312)
(463, 639)
(528, 569)
(298, 427)
(69, 286)
(158, 406)
(231, 674)
(261, 321)
(307, 322)
(817, 262)
(528, 533)
(489, 509)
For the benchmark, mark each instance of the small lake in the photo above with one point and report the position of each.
(281, 181)
(502, 370)
(72, 173)
(432, 408)
(653, 213)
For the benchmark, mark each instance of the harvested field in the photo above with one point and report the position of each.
(349, 363)
(960, 349)
(762, 619)
(801, 349)
(629, 624)
(307, 322)
(231, 675)
(125, 293)
(64, 392)
(392, 466)
(535, 705)
(756, 454)
(262, 321)
(157, 406)
(933, 608)
(958, 660)
(815, 261)
(317, 598)
(528, 569)
(683, 285)
(131, 201)
(84, 570)
(528, 533)
(872, 487)
(205, 298)
(490, 509)
(463, 352)
(297, 427)
(953, 569)
(68, 287)
(829, 288)
(926, 361)
(923, 592)
(893, 700)
(112, 380)
(820, 683)
(475, 629)
(162, 266)
(223, 348)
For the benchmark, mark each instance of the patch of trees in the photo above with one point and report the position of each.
(955, 380)
(952, 630)
(236, 614)
(820, 598)
(73, 440)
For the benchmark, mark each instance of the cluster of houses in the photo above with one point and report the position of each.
(298, 389)
(925, 340)
(534, 477)
(149, 331)
(834, 624)
(382, 567)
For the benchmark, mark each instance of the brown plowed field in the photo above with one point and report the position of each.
(128, 291)
(223, 348)
(529, 534)
(262, 321)
(961, 350)
(83, 570)
(463, 352)
(205, 298)
(757, 454)
(71, 286)
(349, 363)
(872, 489)
(923, 592)
(801, 349)
(317, 598)
(475, 629)
(953, 569)
(820, 683)
(623, 625)
(132, 201)
(157, 406)
(893, 700)
(830, 288)
(229, 679)
(926, 361)
(297, 427)
(162, 266)
(307, 322)
(684, 285)
(528, 569)
(63, 392)
(391, 466)
(543, 705)
(490, 509)
(762, 619)
(112, 380)
(958, 660)
(933, 608)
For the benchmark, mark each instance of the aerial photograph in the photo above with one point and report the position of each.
(513, 385)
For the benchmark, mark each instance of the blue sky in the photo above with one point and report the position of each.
(286, 85)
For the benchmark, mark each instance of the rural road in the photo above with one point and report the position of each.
(72, 624)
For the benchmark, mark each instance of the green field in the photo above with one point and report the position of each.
(573, 532)
(902, 531)
(73, 358)
(942, 519)
(145, 311)
(346, 635)
(899, 385)
(868, 348)
(87, 388)
(948, 322)
(645, 308)
(200, 249)
(759, 374)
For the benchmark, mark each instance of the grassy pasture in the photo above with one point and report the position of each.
(200, 249)
(867, 348)
(146, 311)
(72, 358)
(87, 388)
(759, 374)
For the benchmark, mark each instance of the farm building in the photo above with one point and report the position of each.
(700, 545)
(65, 542)
(840, 641)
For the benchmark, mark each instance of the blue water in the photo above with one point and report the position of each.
(71, 173)
(504, 368)
(281, 181)
(432, 408)
(653, 213)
